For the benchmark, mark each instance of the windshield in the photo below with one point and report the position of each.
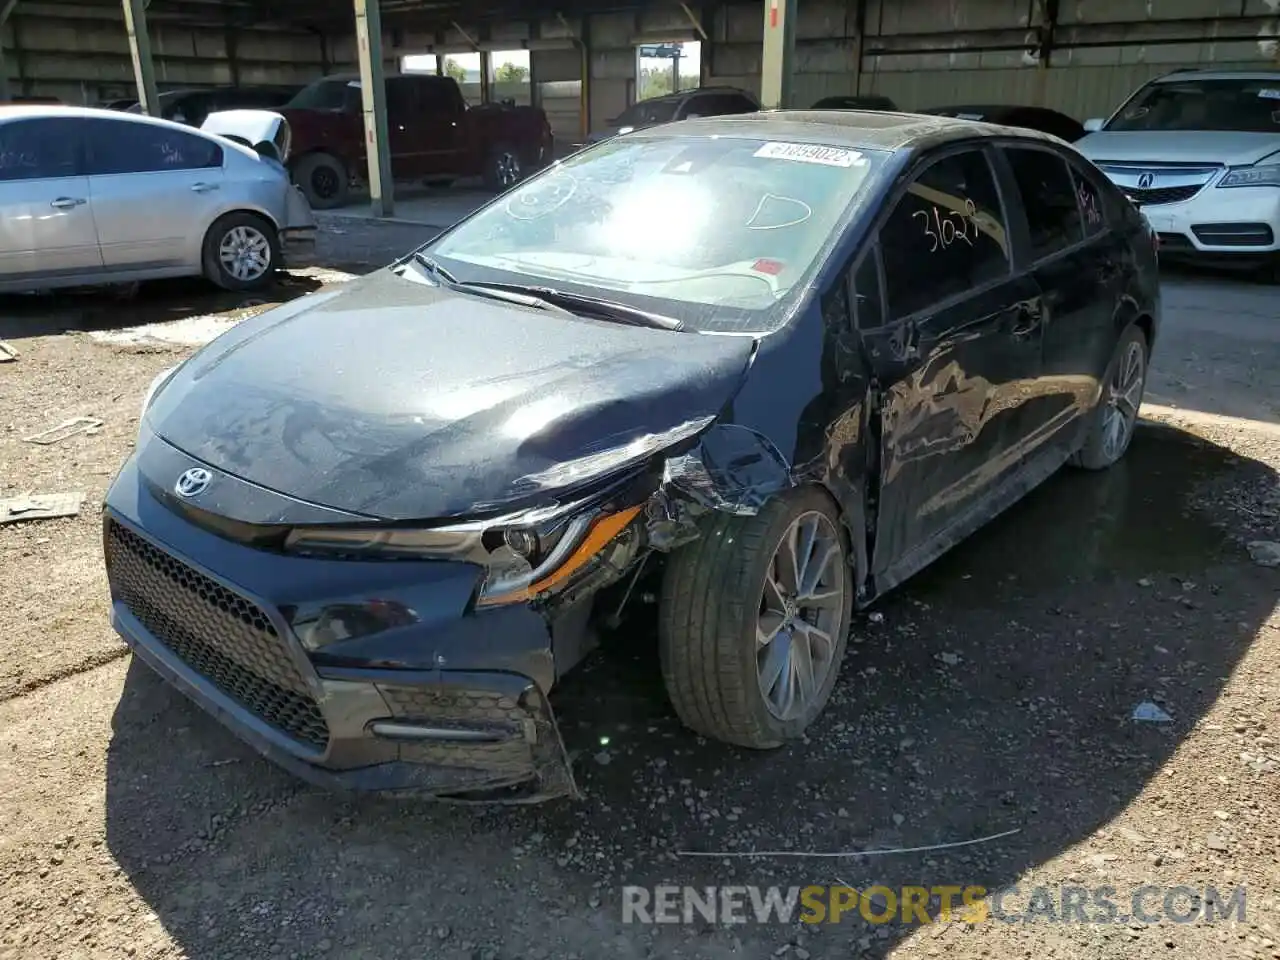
(716, 231)
(327, 94)
(1251, 106)
(648, 112)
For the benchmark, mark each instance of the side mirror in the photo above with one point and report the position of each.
(1094, 125)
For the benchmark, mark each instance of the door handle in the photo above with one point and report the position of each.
(66, 203)
(204, 187)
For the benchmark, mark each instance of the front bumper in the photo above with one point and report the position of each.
(433, 703)
(1235, 222)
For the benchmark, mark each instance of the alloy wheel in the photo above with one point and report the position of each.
(800, 611)
(245, 253)
(508, 169)
(1124, 397)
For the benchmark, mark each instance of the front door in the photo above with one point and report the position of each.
(956, 352)
(46, 218)
(155, 189)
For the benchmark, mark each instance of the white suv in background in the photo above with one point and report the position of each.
(1199, 152)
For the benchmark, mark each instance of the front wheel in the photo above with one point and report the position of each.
(241, 252)
(754, 621)
(1115, 418)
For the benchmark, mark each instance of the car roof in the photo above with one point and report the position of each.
(869, 129)
(25, 111)
(1179, 75)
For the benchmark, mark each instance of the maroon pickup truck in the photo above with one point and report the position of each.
(434, 136)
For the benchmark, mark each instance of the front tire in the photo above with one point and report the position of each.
(754, 621)
(1115, 418)
(241, 252)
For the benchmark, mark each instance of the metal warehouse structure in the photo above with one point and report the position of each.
(1079, 56)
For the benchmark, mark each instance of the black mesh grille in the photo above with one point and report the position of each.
(1149, 198)
(218, 633)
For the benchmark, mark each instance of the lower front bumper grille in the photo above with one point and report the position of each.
(221, 635)
(1234, 234)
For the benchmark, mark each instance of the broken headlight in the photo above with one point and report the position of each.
(521, 556)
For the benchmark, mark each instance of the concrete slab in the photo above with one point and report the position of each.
(421, 207)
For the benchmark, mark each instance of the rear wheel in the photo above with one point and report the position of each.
(241, 252)
(1115, 417)
(754, 620)
(323, 179)
(503, 169)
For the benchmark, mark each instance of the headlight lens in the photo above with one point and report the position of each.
(523, 554)
(520, 559)
(1264, 175)
(160, 380)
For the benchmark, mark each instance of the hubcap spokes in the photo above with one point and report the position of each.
(245, 253)
(1124, 397)
(799, 615)
(508, 169)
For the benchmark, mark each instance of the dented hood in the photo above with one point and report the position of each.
(396, 400)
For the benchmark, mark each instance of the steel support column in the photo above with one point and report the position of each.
(778, 54)
(373, 93)
(144, 71)
(6, 9)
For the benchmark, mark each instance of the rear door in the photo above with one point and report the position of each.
(954, 351)
(46, 217)
(155, 189)
(441, 114)
(1076, 273)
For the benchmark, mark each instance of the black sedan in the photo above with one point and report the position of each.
(779, 362)
(1013, 115)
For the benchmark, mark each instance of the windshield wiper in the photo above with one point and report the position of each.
(581, 304)
(514, 294)
(432, 266)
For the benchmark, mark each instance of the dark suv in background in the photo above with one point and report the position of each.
(685, 105)
(193, 107)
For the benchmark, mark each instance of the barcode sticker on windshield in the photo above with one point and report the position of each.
(1269, 94)
(809, 153)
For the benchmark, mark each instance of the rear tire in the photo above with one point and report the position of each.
(725, 595)
(1115, 418)
(241, 252)
(323, 179)
(504, 168)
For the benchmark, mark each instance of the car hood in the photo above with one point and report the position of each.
(253, 128)
(393, 399)
(1182, 146)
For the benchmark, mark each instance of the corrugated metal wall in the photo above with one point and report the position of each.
(933, 52)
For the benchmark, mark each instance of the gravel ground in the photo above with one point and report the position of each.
(991, 694)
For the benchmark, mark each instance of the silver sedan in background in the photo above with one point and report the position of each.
(93, 196)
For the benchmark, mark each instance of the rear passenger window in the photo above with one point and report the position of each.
(125, 146)
(1091, 203)
(946, 236)
(1049, 198)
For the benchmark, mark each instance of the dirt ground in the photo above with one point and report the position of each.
(992, 696)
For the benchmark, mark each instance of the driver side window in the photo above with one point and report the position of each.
(946, 236)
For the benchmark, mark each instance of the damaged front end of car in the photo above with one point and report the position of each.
(406, 657)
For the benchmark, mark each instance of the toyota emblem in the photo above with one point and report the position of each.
(193, 482)
(1146, 181)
